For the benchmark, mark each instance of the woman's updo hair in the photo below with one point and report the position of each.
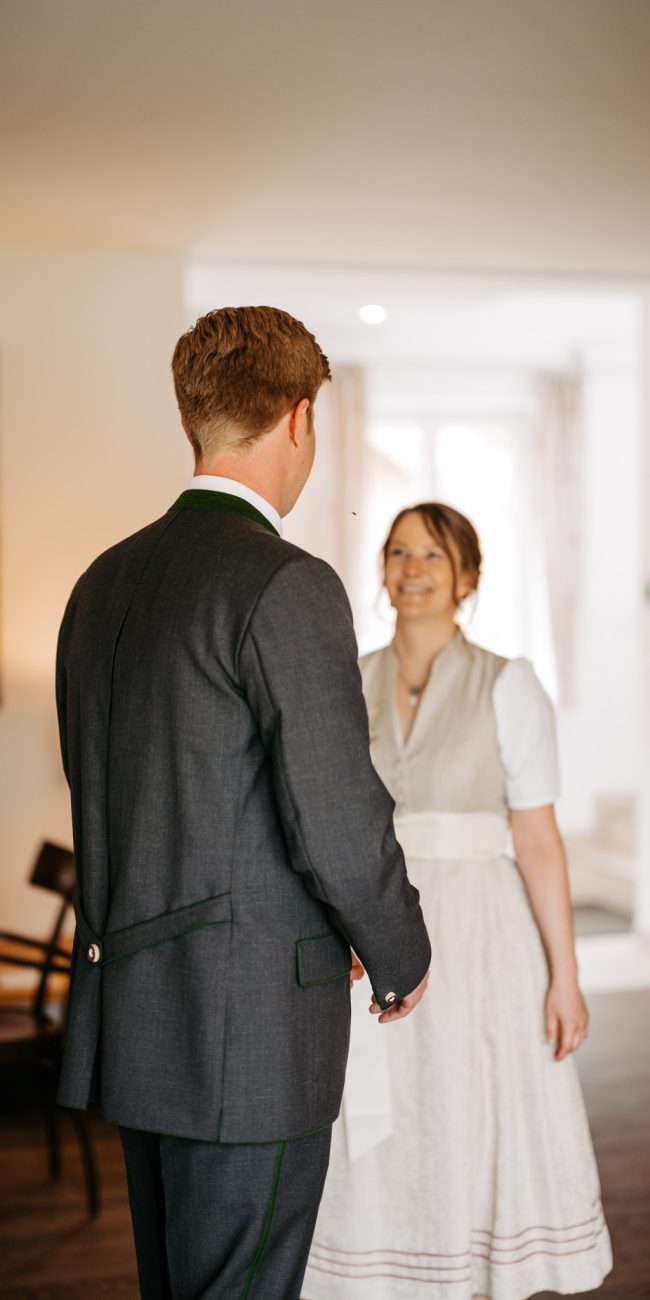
(451, 530)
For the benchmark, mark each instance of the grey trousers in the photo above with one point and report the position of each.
(218, 1222)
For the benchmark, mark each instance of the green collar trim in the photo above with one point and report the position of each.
(224, 503)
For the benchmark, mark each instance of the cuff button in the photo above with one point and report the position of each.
(390, 997)
(94, 953)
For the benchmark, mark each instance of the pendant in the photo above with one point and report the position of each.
(413, 695)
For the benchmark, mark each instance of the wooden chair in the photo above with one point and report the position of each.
(31, 1034)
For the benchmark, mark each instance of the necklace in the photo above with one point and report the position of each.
(413, 693)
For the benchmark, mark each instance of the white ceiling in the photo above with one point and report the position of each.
(436, 322)
(429, 133)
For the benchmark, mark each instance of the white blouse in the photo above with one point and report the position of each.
(525, 720)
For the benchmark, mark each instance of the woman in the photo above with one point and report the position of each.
(462, 1165)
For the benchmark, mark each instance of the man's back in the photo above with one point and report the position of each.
(191, 655)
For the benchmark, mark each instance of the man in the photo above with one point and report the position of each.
(231, 836)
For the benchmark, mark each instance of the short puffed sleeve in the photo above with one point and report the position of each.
(525, 720)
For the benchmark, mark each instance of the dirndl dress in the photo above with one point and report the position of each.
(462, 1162)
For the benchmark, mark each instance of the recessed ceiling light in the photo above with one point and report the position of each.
(372, 314)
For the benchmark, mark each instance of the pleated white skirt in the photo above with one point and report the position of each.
(462, 1163)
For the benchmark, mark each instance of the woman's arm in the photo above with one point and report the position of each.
(541, 859)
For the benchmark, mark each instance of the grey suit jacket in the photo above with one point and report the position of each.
(231, 836)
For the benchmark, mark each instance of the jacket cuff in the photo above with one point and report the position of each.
(390, 994)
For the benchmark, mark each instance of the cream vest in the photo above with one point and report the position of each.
(451, 761)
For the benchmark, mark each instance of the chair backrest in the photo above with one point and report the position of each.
(54, 869)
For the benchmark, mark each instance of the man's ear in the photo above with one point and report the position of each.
(198, 459)
(298, 421)
(187, 434)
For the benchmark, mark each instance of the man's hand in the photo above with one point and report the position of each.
(357, 971)
(400, 1009)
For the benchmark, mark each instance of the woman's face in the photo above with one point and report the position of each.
(418, 575)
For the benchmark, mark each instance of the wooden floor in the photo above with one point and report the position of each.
(49, 1250)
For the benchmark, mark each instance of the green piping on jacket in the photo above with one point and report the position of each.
(222, 503)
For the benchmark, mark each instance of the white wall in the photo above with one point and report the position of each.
(91, 449)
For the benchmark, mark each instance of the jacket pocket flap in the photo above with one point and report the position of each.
(322, 958)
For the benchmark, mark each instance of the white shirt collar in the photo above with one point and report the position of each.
(215, 483)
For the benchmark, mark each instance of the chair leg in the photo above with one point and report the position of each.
(91, 1177)
(53, 1143)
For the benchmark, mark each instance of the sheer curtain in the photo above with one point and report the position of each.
(558, 454)
(327, 519)
(520, 480)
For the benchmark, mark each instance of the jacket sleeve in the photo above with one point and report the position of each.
(298, 668)
(61, 697)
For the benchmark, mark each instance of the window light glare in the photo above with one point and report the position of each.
(372, 314)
